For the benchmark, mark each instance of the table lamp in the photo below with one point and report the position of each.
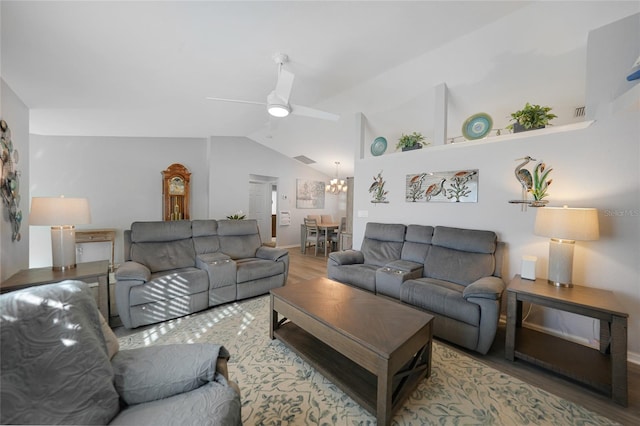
(564, 226)
(62, 214)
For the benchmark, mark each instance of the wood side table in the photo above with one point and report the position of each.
(98, 236)
(87, 272)
(604, 370)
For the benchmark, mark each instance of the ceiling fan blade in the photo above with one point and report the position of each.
(284, 84)
(236, 101)
(313, 113)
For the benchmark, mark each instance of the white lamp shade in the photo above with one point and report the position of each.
(567, 223)
(58, 211)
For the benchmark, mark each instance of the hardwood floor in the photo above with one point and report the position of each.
(304, 267)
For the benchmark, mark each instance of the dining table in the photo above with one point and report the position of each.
(325, 228)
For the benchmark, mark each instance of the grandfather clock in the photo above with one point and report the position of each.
(175, 192)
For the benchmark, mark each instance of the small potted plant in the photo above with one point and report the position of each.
(239, 215)
(531, 117)
(410, 142)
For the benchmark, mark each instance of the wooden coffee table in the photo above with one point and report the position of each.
(374, 349)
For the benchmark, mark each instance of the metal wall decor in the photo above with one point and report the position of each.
(309, 194)
(444, 187)
(537, 183)
(377, 190)
(10, 181)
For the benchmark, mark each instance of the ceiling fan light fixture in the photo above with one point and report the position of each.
(278, 110)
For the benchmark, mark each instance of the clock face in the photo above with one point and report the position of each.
(176, 186)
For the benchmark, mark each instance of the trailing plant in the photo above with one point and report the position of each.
(532, 116)
(408, 141)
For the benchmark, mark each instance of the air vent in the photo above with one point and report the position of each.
(579, 112)
(303, 159)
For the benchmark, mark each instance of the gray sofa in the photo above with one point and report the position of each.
(175, 268)
(61, 364)
(452, 273)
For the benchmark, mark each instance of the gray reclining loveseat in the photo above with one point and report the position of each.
(452, 273)
(175, 268)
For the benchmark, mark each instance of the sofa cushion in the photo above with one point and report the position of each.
(160, 231)
(417, 242)
(165, 286)
(460, 267)
(440, 297)
(382, 243)
(164, 256)
(239, 239)
(211, 404)
(254, 268)
(55, 367)
(471, 240)
(205, 236)
(358, 275)
(150, 373)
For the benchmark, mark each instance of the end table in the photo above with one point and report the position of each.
(604, 370)
(87, 272)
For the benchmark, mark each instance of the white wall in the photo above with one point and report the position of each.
(593, 167)
(121, 177)
(487, 71)
(233, 159)
(15, 254)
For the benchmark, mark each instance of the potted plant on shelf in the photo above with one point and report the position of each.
(410, 142)
(531, 117)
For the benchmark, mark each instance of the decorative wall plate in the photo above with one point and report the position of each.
(379, 146)
(477, 126)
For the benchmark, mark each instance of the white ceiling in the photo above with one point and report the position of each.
(145, 68)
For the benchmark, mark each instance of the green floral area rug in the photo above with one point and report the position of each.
(278, 388)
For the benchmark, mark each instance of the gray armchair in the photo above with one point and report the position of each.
(61, 364)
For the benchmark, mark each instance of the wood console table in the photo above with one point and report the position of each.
(87, 272)
(604, 370)
(98, 236)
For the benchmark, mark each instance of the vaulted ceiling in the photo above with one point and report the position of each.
(145, 68)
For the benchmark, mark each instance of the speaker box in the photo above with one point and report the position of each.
(528, 270)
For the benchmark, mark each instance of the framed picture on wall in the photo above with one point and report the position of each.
(309, 194)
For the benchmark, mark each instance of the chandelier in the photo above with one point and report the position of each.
(336, 185)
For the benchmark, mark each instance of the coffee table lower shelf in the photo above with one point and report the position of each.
(355, 381)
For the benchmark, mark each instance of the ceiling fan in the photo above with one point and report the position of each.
(278, 100)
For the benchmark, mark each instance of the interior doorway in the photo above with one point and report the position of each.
(261, 205)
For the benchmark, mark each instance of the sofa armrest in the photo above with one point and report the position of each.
(485, 288)
(133, 271)
(271, 253)
(156, 372)
(346, 257)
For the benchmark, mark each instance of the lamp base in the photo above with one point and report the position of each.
(558, 284)
(63, 247)
(560, 262)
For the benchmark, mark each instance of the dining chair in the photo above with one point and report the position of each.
(335, 236)
(313, 234)
(326, 218)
